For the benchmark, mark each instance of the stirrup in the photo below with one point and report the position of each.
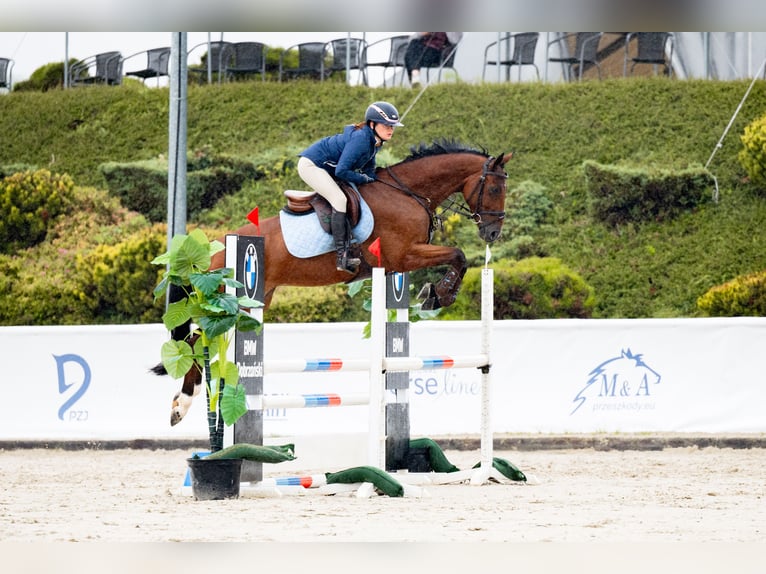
(347, 264)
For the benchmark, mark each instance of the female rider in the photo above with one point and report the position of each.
(348, 156)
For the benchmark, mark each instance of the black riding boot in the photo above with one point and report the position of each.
(341, 235)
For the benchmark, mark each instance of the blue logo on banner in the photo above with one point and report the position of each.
(618, 382)
(84, 383)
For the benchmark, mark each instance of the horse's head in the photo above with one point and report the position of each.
(485, 195)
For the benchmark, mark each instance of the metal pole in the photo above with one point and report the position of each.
(177, 137)
(209, 61)
(66, 60)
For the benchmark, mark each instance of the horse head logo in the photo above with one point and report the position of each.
(626, 375)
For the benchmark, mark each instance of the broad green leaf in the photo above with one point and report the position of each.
(225, 301)
(208, 282)
(249, 303)
(247, 323)
(163, 259)
(233, 404)
(176, 314)
(161, 287)
(192, 256)
(177, 358)
(233, 283)
(214, 326)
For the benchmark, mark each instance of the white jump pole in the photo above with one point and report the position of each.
(487, 315)
(376, 451)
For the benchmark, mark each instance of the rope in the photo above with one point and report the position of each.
(428, 82)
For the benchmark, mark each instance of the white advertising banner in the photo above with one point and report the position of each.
(548, 376)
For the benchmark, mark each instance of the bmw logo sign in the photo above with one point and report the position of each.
(250, 271)
(398, 286)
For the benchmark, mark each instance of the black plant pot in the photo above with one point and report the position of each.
(215, 479)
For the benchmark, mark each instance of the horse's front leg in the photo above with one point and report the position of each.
(444, 293)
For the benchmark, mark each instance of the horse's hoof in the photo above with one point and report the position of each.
(429, 297)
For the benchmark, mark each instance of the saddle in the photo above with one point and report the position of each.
(305, 202)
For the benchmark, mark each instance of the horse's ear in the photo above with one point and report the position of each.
(502, 159)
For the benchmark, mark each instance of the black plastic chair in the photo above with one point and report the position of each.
(397, 46)
(515, 50)
(346, 55)
(219, 57)
(249, 59)
(6, 73)
(585, 52)
(106, 68)
(652, 48)
(157, 60)
(311, 61)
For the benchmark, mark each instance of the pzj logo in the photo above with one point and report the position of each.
(79, 372)
(621, 383)
(250, 271)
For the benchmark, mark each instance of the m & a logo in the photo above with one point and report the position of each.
(624, 382)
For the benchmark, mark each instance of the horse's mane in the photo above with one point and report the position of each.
(440, 147)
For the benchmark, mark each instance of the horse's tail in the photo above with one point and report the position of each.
(180, 333)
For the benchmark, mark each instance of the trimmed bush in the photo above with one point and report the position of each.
(752, 156)
(743, 296)
(143, 186)
(29, 203)
(119, 279)
(619, 195)
(533, 288)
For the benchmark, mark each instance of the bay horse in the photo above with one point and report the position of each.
(403, 200)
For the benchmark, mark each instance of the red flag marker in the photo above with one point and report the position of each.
(374, 248)
(253, 218)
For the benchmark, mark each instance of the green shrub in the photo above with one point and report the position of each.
(619, 194)
(314, 305)
(47, 77)
(744, 296)
(528, 210)
(752, 156)
(533, 288)
(143, 186)
(119, 279)
(29, 203)
(10, 169)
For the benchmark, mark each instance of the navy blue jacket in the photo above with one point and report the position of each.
(349, 155)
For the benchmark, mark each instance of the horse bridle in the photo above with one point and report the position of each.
(476, 215)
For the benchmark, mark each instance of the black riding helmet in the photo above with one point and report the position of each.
(383, 113)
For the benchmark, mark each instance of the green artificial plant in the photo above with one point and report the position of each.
(215, 316)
